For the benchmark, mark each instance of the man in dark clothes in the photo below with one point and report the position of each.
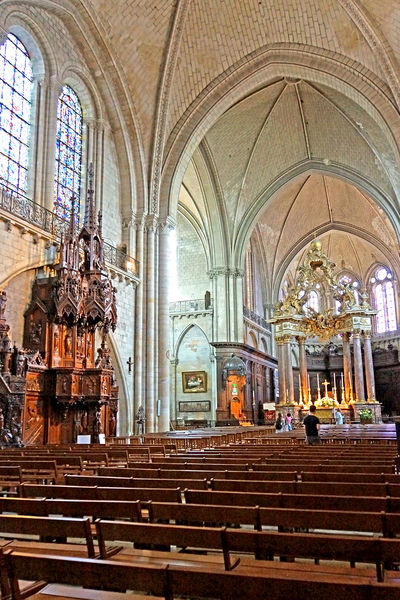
(312, 425)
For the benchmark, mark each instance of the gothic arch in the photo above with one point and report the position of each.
(125, 405)
(260, 68)
(183, 334)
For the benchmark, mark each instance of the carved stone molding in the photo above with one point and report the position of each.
(227, 271)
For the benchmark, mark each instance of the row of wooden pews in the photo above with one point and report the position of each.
(246, 519)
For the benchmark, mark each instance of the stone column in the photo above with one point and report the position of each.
(149, 323)
(347, 369)
(173, 407)
(36, 183)
(289, 391)
(139, 324)
(358, 367)
(236, 304)
(369, 367)
(227, 291)
(281, 371)
(303, 367)
(52, 94)
(163, 327)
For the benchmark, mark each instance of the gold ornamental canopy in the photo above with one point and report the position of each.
(293, 318)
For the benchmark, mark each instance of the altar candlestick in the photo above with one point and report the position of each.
(334, 380)
(341, 378)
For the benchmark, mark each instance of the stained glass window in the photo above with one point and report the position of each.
(67, 179)
(15, 110)
(385, 304)
(312, 302)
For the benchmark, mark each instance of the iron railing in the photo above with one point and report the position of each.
(252, 316)
(190, 306)
(30, 211)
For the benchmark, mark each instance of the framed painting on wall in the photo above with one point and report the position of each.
(193, 406)
(194, 382)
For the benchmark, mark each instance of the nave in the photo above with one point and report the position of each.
(258, 515)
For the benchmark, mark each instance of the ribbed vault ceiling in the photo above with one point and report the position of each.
(355, 231)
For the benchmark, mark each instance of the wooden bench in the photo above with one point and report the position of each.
(10, 479)
(45, 530)
(43, 471)
(195, 474)
(153, 536)
(88, 573)
(315, 488)
(100, 493)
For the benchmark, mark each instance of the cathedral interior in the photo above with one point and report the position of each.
(195, 150)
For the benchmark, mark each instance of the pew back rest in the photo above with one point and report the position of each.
(47, 527)
(94, 574)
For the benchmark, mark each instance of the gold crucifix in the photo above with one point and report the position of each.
(326, 383)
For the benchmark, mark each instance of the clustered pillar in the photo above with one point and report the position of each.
(285, 370)
(281, 372)
(347, 368)
(303, 368)
(369, 367)
(358, 367)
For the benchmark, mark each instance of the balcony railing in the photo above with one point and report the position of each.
(190, 306)
(252, 316)
(26, 209)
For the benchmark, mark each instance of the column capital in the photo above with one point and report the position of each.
(300, 339)
(367, 335)
(150, 222)
(166, 225)
(346, 336)
(356, 335)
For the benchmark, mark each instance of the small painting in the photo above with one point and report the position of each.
(194, 381)
(193, 406)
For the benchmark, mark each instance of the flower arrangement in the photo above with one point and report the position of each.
(365, 414)
(326, 403)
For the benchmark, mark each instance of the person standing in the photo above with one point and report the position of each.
(288, 422)
(338, 416)
(312, 425)
(279, 425)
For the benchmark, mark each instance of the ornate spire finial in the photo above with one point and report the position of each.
(90, 176)
(90, 217)
(71, 228)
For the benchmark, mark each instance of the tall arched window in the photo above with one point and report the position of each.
(383, 295)
(67, 178)
(15, 111)
(312, 302)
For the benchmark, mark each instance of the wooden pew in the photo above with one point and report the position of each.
(14, 526)
(184, 474)
(88, 573)
(273, 499)
(10, 479)
(173, 581)
(24, 506)
(100, 493)
(315, 488)
(154, 535)
(44, 471)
